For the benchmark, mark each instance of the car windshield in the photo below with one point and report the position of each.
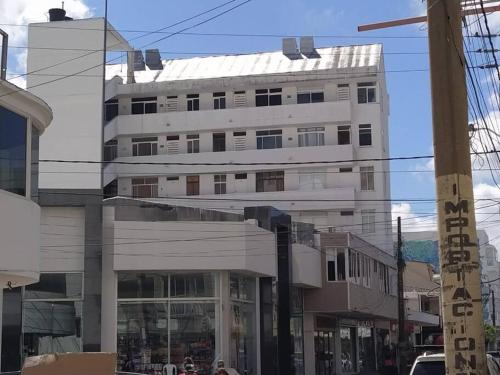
(429, 368)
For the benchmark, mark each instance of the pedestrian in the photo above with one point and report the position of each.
(220, 368)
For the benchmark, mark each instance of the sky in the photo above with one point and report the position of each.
(406, 64)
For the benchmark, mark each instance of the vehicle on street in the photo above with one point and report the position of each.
(433, 364)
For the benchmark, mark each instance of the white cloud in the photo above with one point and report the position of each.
(411, 221)
(22, 12)
(487, 214)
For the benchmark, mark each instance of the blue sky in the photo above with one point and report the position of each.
(405, 48)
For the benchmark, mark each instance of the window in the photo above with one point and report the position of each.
(145, 146)
(268, 139)
(270, 181)
(52, 314)
(345, 170)
(311, 136)
(240, 99)
(344, 135)
(346, 213)
(193, 102)
(367, 178)
(173, 178)
(343, 91)
(240, 176)
(172, 144)
(143, 105)
(145, 187)
(193, 143)
(331, 270)
(193, 185)
(312, 180)
(367, 92)
(267, 97)
(110, 150)
(310, 96)
(240, 141)
(368, 221)
(219, 142)
(111, 109)
(219, 100)
(336, 265)
(13, 133)
(220, 184)
(111, 189)
(365, 135)
(172, 103)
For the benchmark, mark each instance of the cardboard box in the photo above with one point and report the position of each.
(71, 364)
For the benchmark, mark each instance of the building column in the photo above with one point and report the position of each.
(1, 315)
(309, 354)
(225, 319)
(338, 349)
(109, 303)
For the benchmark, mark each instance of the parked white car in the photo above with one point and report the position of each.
(433, 364)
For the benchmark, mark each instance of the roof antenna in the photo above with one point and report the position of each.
(62, 5)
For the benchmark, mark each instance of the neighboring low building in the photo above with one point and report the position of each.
(349, 317)
(23, 118)
(423, 247)
(421, 294)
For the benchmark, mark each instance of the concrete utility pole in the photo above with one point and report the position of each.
(464, 339)
(402, 340)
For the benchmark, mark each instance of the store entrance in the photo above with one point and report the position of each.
(324, 347)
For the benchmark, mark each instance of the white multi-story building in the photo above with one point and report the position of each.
(23, 118)
(298, 129)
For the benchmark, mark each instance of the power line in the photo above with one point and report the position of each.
(98, 65)
(339, 161)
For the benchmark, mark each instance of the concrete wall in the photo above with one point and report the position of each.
(20, 236)
(62, 239)
(76, 100)
(306, 263)
(190, 245)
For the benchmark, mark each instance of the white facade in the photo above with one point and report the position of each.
(69, 71)
(23, 118)
(235, 143)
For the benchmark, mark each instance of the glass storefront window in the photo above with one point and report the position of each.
(192, 285)
(155, 285)
(12, 152)
(56, 286)
(142, 330)
(52, 314)
(348, 349)
(243, 342)
(192, 334)
(142, 285)
(164, 318)
(242, 287)
(366, 348)
(52, 327)
(324, 349)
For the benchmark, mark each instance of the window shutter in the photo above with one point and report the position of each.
(240, 99)
(343, 92)
(240, 143)
(173, 147)
(172, 103)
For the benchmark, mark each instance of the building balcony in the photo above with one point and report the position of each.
(279, 155)
(20, 235)
(189, 245)
(228, 119)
